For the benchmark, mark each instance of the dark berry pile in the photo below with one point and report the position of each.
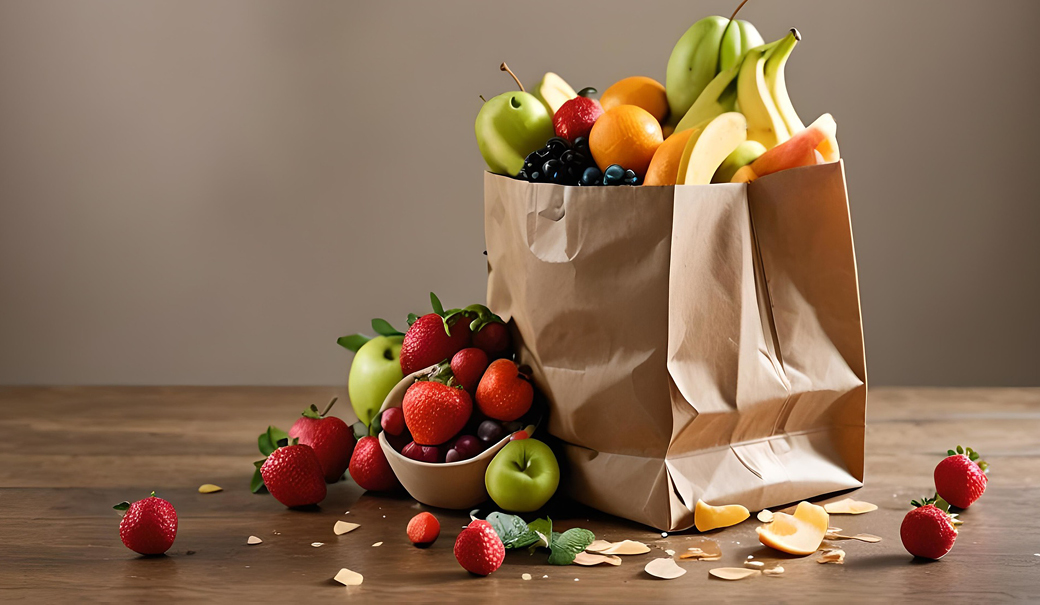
(561, 163)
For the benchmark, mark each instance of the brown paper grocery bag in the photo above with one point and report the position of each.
(696, 342)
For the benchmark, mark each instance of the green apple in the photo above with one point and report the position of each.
(509, 127)
(522, 476)
(744, 154)
(376, 369)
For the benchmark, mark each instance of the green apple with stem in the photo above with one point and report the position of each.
(522, 476)
(376, 368)
(511, 126)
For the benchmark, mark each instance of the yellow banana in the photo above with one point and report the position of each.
(765, 124)
(718, 97)
(777, 83)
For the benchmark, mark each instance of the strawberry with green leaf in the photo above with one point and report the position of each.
(330, 438)
(960, 478)
(928, 531)
(291, 471)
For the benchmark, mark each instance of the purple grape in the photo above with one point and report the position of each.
(453, 456)
(490, 431)
(422, 453)
(467, 446)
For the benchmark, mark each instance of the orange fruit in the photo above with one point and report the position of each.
(664, 167)
(707, 517)
(625, 135)
(798, 534)
(640, 91)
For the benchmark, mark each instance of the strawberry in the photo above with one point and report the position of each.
(468, 366)
(493, 338)
(149, 526)
(504, 393)
(330, 438)
(392, 421)
(959, 478)
(928, 531)
(293, 475)
(576, 116)
(423, 529)
(435, 412)
(478, 549)
(369, 468)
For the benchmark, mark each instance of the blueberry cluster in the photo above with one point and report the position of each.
(559, 162)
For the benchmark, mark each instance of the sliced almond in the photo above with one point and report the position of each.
(317, 544)
(209, 488)
(754, 564)
(773, 571)
(342, 527)
(664, 568)
(525, 576)
(377, 544)
(588, 559)
(669, 552)
(848, 506)
(598, 545)
(626, 547)
(765, 515)
(734, 573)
(833, 555)
(253, 540)
(349, 578)
(871, 538)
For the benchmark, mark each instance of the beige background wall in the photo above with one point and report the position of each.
(197, 192)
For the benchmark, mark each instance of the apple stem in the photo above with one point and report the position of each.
(505, 68)
(734, 15)
(482, 98)
(329, 407)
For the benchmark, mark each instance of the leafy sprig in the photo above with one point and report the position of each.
(972, 455)
(563, 547)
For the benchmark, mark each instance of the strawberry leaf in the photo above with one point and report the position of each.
(257, 482)
(360, 430)
(312, 412)
(542, 529)
(352, 342)
(412, 318)
(435, 302)
(383, 328)
(566, 546)
(511, 529)
(122, 506)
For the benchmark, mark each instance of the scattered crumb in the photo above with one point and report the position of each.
(765, 515)
(664, 534)
(833, 555)
(342, 527)
(317, 544)
(377, 544)
(253, 540)
(546, 576)
(773, 571)
(209, 488)
(754, 564)
(575, 579)
(733, 573)
(525, 576)
(669, 552)
(277, 533)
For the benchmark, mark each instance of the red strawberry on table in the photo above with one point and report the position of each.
(960, 478)
(928, 531)
(423, 529)
(504, 393)
(330, 438)
(478, 549)
(468, 366)
(435, 412)
(149, 526)
(293, 475)
(575, 117)
(369, 467)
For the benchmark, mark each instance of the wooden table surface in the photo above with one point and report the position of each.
(69, 454)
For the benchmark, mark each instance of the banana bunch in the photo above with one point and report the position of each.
(711, 45)
(755, 85)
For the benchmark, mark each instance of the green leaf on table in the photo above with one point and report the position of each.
(352, 342)
(509, 528)
(566, 546)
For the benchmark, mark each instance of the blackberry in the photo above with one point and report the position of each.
(559, 162)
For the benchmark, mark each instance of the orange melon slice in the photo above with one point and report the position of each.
(797, 534)
(817, 142)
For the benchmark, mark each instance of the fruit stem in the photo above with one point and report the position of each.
(482, 98)
(332, 402)
(734, 15)
(505, 68)
(797, 34)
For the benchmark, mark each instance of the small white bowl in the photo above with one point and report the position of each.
(455, 485)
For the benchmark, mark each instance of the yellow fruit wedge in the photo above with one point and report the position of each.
(706, 150)
(829, 149)
(707, 517)
(798, 534)
(744, 175)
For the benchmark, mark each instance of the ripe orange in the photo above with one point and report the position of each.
(640, 91)
(664, 167)
(625, 135)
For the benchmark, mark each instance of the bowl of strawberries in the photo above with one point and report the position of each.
(444, 424)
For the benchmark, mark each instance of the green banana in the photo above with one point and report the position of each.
(765, 124)
(709, 46)
(777, 83)
(717, 98)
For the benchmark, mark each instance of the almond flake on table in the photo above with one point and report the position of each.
(377, 544)
(253, 540)
(754, 564)
(342, 527)
(525, 576)
(317, 544)
(209, 488)
(587, 559)
(664, 568)
(598, 545)
(734, 573)
(773, 571)
(626, 547)
(848, 506)
(832, 555)
(349, 578)
(765, 516)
